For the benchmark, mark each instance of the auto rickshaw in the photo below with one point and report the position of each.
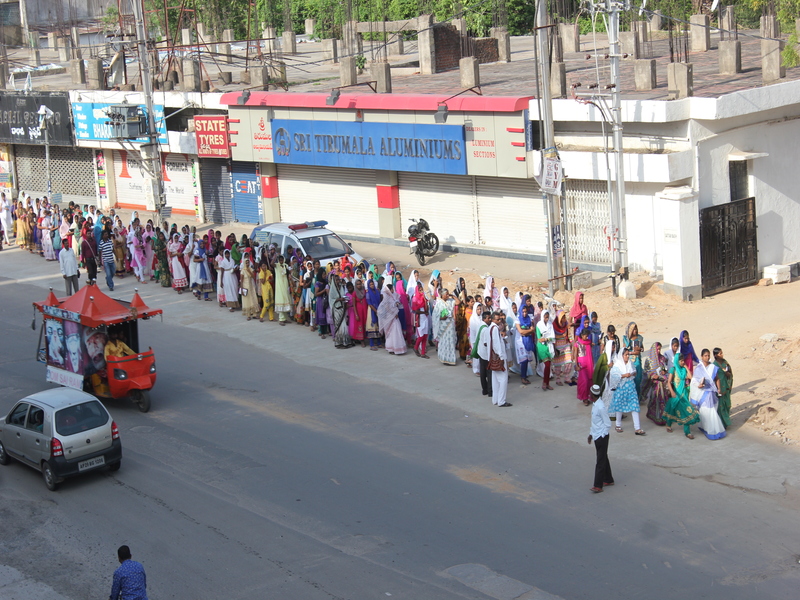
(73, 338)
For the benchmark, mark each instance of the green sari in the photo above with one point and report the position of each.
(725, 386)
(162, 270)
(679, 409)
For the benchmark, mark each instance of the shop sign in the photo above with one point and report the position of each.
(406, 147)
(551, 178)
(92, 122)
(19, 118)
(6, 172)
(211, 133)
(65, 378)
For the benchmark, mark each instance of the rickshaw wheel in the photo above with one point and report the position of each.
(142, 399)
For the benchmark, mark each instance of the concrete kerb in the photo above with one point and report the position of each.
(741, 460)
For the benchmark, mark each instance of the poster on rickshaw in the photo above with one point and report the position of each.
(73, 352)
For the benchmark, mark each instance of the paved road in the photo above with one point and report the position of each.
(257, 475)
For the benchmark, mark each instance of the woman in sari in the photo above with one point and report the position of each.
(120, 251)
(577, 312)
(267, 292)
(23, 229)
(389, 322)
(687, 350)
(373, 303)
(337, 297)
(419, 306)
(138, 256)
(562, 363)
(655, 387)
(175, 249)
(474, 326)
(678, 408)
(406, 322)
(524, 342)
(596, 336)
(462, 319)
(582, 351)
(247, 287)
(283, 298)
(148, 237)
(725, 386)
(203, 283)
(625, 398)
(220, 282)
(445, 327)
(357, 309)
(230, 283)
(160, 249)
(600, 371)
(545, 346)
(635, 342)
(321, 295)
(704, 391)
(45, 231)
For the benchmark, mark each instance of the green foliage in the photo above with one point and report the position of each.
(790, 57)
(361, 61)
(585, 25)
(521, 16)
(110, 20)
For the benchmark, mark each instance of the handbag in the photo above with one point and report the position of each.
(495, 362)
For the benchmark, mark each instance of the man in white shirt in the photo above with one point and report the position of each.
(491, 340)
(69, 267)
(5, 217)
(598, 433)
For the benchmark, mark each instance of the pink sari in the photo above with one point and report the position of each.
(357, 307)
(583, 351)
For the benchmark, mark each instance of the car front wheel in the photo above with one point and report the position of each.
(3, 455)
(50, 479)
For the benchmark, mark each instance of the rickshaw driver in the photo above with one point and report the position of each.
(116, 347)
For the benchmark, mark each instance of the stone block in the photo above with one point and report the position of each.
(348, 74)
(629, 44)
(167, 85)
(558, 80)
(730, 57)
(460, 25)
(75, 38)
(244, 77)
(228, 36)
(626, 289)
(469, 70)
(64, 50)
(503, 43)
(36, 57)
(425, 43)
(52, 41)
(225, 77)
(309, 26)
(77, 71)
(769, 26)
(224, 51)
(641, 28)
(700, 33)
(582, 280)
(277, 71)
(655, 21)
(269, 33)
(644, 74)
(95, 75)
(259, 77)
(381, 73)
(772, 68)
(186, 37)
(191, 75)
(289, 42)
(570, 37)
(395, 46)
(330, 50)
(680, 80)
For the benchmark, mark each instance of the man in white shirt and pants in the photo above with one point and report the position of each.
(491, 340)
(598, 433)
(69, 267)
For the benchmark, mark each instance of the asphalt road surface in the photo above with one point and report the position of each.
(255, 476)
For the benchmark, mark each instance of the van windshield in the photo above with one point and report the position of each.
(325, 246)
(81, 417)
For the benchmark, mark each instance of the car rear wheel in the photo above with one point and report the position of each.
(113, 467)
(3, 455)
(142, 399)
(50, 479)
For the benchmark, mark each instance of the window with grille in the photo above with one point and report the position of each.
(737, 171)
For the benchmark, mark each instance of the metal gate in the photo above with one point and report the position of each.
(728, 246)
(215, 178)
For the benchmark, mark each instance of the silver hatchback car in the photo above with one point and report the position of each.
(60, 432)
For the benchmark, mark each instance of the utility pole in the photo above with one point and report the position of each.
(548, 130)
(150, 151)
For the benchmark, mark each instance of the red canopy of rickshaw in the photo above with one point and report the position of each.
(96, 308)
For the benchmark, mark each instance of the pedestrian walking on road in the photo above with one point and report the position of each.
(69, 268)
(480, 353)
(106, 250)
(678, 408)
(623, 376)
(725, 386)
(497, 361)
(599, 434)
(130, 580)
(545, 350)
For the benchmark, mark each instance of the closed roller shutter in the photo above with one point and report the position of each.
(246, 192)
(511, 214)
(71, 172)
(181, 184)
(345, 198)
(215, 178)
(446, 202)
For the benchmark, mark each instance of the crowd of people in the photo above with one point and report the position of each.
(488, 329)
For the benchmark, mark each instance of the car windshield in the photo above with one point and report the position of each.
(324, 246)
(81, 417)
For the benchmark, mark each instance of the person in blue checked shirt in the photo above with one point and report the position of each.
(130, 581)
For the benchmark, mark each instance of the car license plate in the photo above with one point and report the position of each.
(91, 463)
(413, 244)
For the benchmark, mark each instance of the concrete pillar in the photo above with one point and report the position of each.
(244, 77)
(347, 71)
(701, 34)
(227, 35)
(642, 33)
(259, 77)
(680, 81)
(558, 80)
(388, 194)
(75, 38)
(117, 71)
(797, 26)
(186, 37)
(727, 23)
(770, 28)
(427, 51)
(329, 50)
(201, 32)
(36, 57)
(225, 53)
(503, 43)
(191, 75)
(225, 77)
(289, 42)
(730, 57)
(772, 67)
(270, 196)
(277, 71)
(629, 44)
(381, 73)
(52, 41)
(644, 74)
(95, 77)
(309, 25)
(395, 45)
(469, 70)
(570, 37)
(460, 25)
(64, 50)
(77, 71)
(679, 222)
(655, 21)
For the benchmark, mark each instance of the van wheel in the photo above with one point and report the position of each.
(142, 399)
(3, 455)
(113, 467)
(50, 479)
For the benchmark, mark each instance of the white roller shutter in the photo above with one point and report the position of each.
(129, 180)
(345, 198)
(511, 214)
(446, 202)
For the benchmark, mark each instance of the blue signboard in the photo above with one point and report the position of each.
(246, 192)
(91, 122)
(386, 146)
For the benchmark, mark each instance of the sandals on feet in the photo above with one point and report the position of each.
(596, 490)
(640, 432)
(618, 429)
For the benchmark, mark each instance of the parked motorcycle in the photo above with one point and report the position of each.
(422, 241)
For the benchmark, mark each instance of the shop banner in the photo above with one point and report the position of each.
(19, 118)
(92, 122)
(407, 147)
(6, 171)
(212, 136)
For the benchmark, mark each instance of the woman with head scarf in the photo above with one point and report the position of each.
(625, 398)
(372, 273)
(203, 283)
(669, 353)
(357, 312)
(338, 302)
(525, 342)
(462, 323)
(406, 322)
(596, 336)
(725, 386)
(678, 408)
(230, 282)
(321, 295)
(148, 237)
(419, 306)
(611, 344)
(221, 298)
(120, 251)
(562, 363)
(373, 304)
(445, 327)
(687, 350)
(578, 311)
(704, 391)
(388, 321)
(474, 326)
(265, 278)
(411, 286)
(655, 388)
(434, 287)
(283, 298)
(162, 258)
(45, 233)
(138, 257)
(388, 272)
(582, 351)
(505, 303)
(545, 346)
(635, 342)
(179, 280)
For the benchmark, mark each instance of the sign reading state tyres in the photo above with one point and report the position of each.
(409, 147)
